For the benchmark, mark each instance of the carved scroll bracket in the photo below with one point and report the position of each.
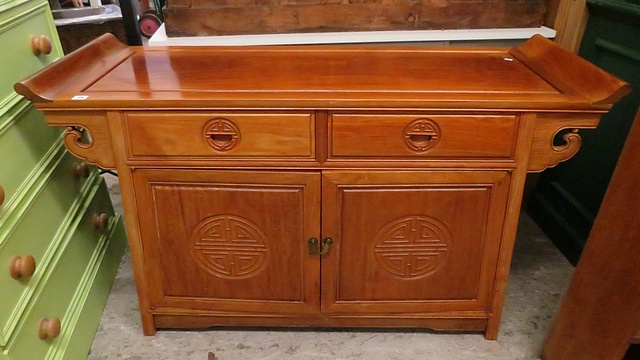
(94, 143)
(546, 154)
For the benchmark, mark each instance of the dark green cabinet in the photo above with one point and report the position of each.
(568, 197)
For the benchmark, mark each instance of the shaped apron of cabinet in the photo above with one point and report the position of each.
(322, 186)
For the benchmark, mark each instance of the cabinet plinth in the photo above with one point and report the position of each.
(322, 186)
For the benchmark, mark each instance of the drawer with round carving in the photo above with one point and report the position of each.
(196, 135)
(422, 136)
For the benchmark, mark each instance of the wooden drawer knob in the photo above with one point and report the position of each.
(101, 221)
(82, 170)
(22, 266)
(40, 45)
(49, 328)
(1, 195)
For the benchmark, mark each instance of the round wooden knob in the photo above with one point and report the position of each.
(41, 45)
(100, 221)
(49, 328)
(82, 170)
(22, 266)
(1, 195)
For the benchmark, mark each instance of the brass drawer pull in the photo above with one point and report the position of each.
(82, 170)
(327, 243)
(22, 266)
(41, 45)
(49, 328)
(101, 221)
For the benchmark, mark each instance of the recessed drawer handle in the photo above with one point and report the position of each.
(49, 328)
(221, 134)
(101, 221)
(40, 45)
(223, 140)
(1, 195)
(420, 139)
(421, 134)
(22, 266)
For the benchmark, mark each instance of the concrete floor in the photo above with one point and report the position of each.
(539, 276)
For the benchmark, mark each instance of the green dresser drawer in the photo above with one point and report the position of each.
(63, 290)
(17, 25)
(27, 141)
(35, 228)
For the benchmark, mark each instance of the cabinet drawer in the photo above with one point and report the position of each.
(35, 231)
(62, 278)
(25, 140)
(197, 135)
(422, 136)
(20, 24)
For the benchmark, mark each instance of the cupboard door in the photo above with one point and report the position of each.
(412, 241)
(230, 240)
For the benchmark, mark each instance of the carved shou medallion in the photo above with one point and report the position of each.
(412, 247)
(222, 134)
(421, 134)
(230, 246)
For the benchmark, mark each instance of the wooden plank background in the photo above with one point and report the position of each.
(230, 17)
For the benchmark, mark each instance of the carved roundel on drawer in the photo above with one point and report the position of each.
(421, 134)
(221, 134)
(412, 247)
(230, 246)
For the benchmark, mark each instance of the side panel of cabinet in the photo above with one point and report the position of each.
(230, 240)
(413, 241)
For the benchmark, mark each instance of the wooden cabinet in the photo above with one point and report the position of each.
(425, 241)
(239, 239)
(60, 239)
(322, 186)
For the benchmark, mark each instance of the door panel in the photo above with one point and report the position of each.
(230, 240)
(411, 241)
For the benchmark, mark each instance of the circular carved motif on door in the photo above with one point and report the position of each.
(421, 134)
(230, 246)
(412, 247)
(221, 134)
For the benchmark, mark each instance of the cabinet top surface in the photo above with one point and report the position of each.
(108, 74)
(388, 73)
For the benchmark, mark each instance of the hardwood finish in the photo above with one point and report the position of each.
(600, 313)
(425, 241)
(422, 135)
(210, 135)
(322, 186)
(202, 17)
(544, 152)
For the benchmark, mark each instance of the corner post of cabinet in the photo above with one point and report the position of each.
(125, 177)
(510, 227)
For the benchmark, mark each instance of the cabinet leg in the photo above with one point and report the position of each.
(493, 327)
(148, 325)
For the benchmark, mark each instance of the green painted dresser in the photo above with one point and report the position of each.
(60, 240)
